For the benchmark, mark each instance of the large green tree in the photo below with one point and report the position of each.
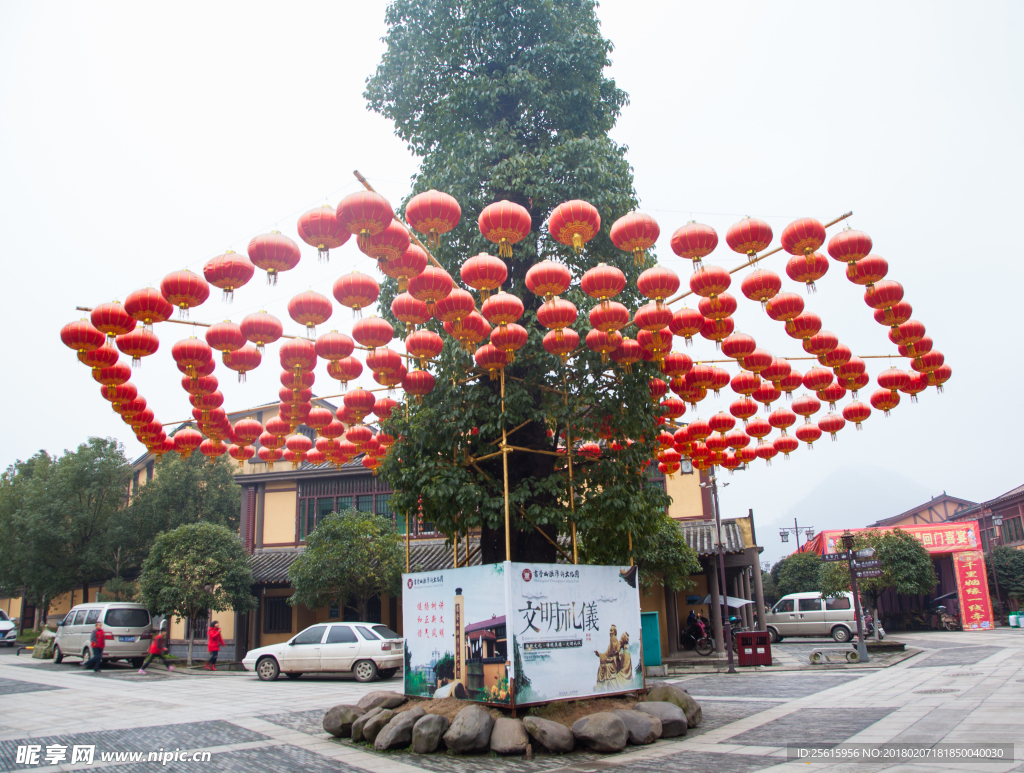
(510, 100)
(797, 573)
(195, 569)
(187, 491)
(1005, 565)
(352, 557)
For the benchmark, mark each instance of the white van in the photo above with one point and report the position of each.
(808, 614)
(127, 630)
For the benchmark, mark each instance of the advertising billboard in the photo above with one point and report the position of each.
(517, 633)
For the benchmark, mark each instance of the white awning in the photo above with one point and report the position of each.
(730, 601)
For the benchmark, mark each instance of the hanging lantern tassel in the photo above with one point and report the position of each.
(322, 253)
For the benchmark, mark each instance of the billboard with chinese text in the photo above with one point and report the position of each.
(972, 589)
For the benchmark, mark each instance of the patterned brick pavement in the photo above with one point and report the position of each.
(15, 686)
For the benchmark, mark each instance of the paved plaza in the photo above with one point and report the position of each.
(962, 688)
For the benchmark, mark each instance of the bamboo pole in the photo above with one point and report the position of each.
(533, 450)
(630, 547)
(407, 543)
(504, 463)
(572, 491)
(761, 257)
(412, 236)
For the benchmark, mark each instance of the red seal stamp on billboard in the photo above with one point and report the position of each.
(527, 575)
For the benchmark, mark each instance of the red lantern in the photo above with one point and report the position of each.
(721, 422)
(884, 294)
(211, 449)
(490, 358)
(185, 290)
(831, 423)
(709, 281)
(384, 361)
(629, 352)
(418, 383)
(294, 396)
(749, 236)
(297, 354)
(838, 356)
(484, 273)
(359, 403)
(676, 365)
(785, 306)
(333, 346)
(403, 268)
(650, 317)
(928, 362)
(603, 343)
(777, 371)
(738, 346)
(686, 323)
(474, 330)
(603, 281)
(548, 279)
(123, 394)
(502, 309)
(410, 311)
(635, 232)
(746, 454)
(277, 427)
(885, 400)
(241, 454)
(806, 406)
(81, 336)
(893, 379)
(383, 409)
(803, 236)
(345, 370)
(186, 441)
(319, 418)
(808, 433)
(745, 382)
(261, 329)
(373, 332)
(321, 228)
(390, 244)
(804, 326)
(657, 342)
(148, 306)
(916, 383)
(767, 393)
(433, 213)
(310, 309)
(807, 269)
(269, 456)
(658, 283)
(759, 428)
(867, 271)
(717, 443)
(574, 223)
(694, 241)
(717, 330)
(849, 246)
(112, 319)
(242, 360)
(761, 286)
(894, 315)
(590, 451)
(821, 343)
(610, 316)
(300, 446)
(673, 408)
(366, 214)
(430, 286)
(505, 224)
(737, 439)
(743, 408)
(225, 336)
(833, 393)
(557, 314)
(916, 349)
(454, 308)
(356, 291)
(909, 334)
(274, 252)
(561, 342)
(509, 339)
(786, 445)
(719, 307)
(939, 376)
(205, 370)
(757, 361)
(657, 387)
(719, 381)
(817, 379)
(780, 418)
(228, 272)
(138, 344)
(191, 354)
(424, 344)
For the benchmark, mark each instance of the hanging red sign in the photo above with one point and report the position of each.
(972, 585)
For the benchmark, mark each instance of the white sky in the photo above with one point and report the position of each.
(137, 139)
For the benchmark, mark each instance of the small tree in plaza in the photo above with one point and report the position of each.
(905, 563)
(351, 556)
(195, 569)
(797, 573)
(1005, 565)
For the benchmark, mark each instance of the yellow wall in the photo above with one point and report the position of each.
(701, 590)
(12, 607)
(279, 516)
(655, 602)
(685, 493)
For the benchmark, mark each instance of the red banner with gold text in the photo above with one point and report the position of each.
(972, 586)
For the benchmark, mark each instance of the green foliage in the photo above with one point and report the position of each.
(350, 555)
(510, 101)
(1006, 565)
(905, 564)
(184, 491)
(798, 573)
(771, 590)
(445, 667)
(662, 555)
(55, 515)
(119, 589)
(196, 568)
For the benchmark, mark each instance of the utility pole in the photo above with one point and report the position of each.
(862, 650)
(997, 522)
(726, 625)
(785, 530)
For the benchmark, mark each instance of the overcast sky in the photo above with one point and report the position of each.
(136, 139)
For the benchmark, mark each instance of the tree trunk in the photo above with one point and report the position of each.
(21, 617)
(878, 621)
(85, 591)
(191, 638)
(361, 605)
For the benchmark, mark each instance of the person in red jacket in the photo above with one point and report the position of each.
(96, 642)
(214, 641)
(158, 649)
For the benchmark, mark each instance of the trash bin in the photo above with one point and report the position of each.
(755, 648)
(1014, 619)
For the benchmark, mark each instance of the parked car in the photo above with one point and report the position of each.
(126, 626)
(367, 650)
(808, 614)
(8, 630)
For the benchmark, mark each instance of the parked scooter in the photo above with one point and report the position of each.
(696, 637)
(869, 627)
(947, 620)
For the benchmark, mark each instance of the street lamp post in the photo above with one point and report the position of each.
(726, 625)
(796, 528)
(862, 649)
(997, 522)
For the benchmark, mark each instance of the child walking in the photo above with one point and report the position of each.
(214, 641)
(158, 649)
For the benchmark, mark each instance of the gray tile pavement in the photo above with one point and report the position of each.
(15, 686)
(765, 685)
(812, 726)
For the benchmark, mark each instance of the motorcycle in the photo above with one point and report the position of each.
(695, 637)
(950, 622)
(737, 628)
(869, 627)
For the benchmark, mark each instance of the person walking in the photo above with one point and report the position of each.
(214, 641)
(158, 649)
(96, 643)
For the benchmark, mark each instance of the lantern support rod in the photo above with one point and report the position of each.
(407, 543)
(412, 236)
(493, 442)
(572, 491)
(761, 257)
(533, 450)
(504, 464)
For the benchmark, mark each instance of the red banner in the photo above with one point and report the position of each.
(972, 586)
(937, 538)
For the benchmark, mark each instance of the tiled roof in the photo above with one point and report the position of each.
(971, 512)
(700, 535)
(943, 497)
(494, 622)
(272, 565)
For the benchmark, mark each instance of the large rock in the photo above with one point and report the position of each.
(357, 725)
(553, 736)
(602, 732)
(427, 732)
(642, 728)
(508, 736)
(470, 732)
(338, 720)
(373, 726)
(397, 734)
(673, 720)
(386, 699)
(674, 694)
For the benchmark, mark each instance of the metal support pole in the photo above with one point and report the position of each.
(721, 561)
(407, 543)
(504, 463)
(995, 576)
(862, 648)
(630, 547)
(572, 491)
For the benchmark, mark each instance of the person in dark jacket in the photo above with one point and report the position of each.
(214, 641)
(97, 641)
(158, 649)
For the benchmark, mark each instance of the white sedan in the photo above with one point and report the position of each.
(368, 650)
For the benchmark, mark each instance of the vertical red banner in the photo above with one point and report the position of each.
(972, 586)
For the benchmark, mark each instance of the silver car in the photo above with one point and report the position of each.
(127, 630)
(808, 614)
